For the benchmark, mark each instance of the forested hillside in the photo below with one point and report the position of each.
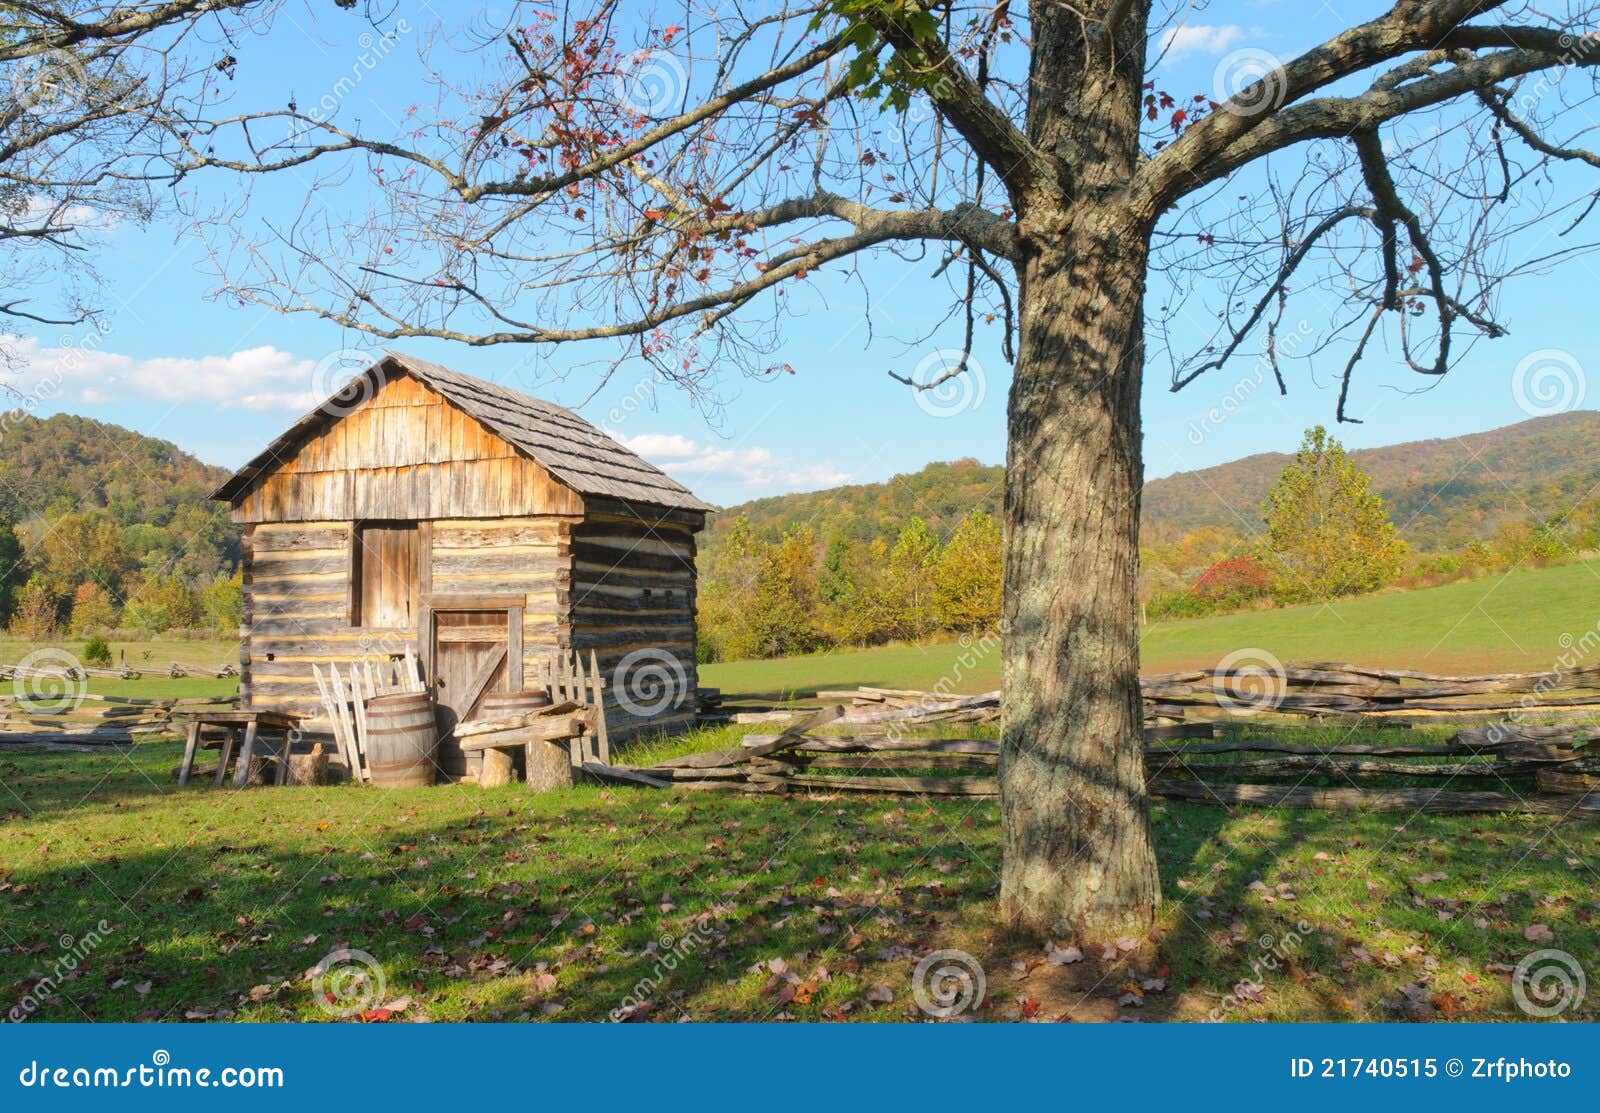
(918, 555)
(96, 520)
(1441, 493)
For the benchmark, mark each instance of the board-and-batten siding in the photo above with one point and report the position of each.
(405, 453)
(633, 589)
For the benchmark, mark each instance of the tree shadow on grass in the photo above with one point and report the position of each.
(573, 905)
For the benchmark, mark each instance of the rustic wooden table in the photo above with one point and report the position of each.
(242, 725)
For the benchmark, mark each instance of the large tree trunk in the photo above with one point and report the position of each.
(1078, 861)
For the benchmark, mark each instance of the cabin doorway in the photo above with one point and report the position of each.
(471, 646)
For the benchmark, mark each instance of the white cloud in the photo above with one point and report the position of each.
(1199, 38)
(757, 468)
(263, 378)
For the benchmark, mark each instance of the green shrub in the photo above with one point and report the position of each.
(97, 651)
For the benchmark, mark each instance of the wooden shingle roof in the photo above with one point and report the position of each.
(573, 451)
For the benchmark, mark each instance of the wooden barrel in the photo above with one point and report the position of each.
(401, 733)
(503, 705)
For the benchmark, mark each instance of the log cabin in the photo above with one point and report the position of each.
(483, 530)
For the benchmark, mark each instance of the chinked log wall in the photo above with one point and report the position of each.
(298, 608)
(633, 591)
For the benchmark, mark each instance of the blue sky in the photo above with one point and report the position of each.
(220, 380)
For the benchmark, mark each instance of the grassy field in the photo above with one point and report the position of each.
(1520, 620)
(573, 905)
(1499, 623)
(152, 660)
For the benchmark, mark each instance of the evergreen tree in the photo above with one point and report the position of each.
(1328, 532)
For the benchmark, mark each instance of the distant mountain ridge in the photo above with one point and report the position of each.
(69, 463)
(1441, 493)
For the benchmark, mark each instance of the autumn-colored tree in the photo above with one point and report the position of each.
(1034, 156)
(966, 576)
(222, 601)
(1328, 532)
(908, 581)
(162, 603)
(34, 616)
(93, 608)
(80, 547)
(784, 608)
(1236, 580)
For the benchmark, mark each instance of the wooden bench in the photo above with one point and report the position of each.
(546, 738)
(246, 727)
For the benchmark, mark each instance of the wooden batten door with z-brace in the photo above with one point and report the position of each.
(471, 645)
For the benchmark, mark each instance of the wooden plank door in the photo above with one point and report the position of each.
(472, 651)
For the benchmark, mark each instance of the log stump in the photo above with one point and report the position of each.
(549, 765)
(496, 769)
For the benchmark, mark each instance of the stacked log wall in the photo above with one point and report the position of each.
(633, 600)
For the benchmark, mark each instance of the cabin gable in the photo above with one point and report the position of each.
(404, 453)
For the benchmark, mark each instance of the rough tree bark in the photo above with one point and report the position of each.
(1078, 860)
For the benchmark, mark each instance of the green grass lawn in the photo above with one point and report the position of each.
(152, 660)
(496, 904)
(1520, 620)
(1500, 623)
(964, 668)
